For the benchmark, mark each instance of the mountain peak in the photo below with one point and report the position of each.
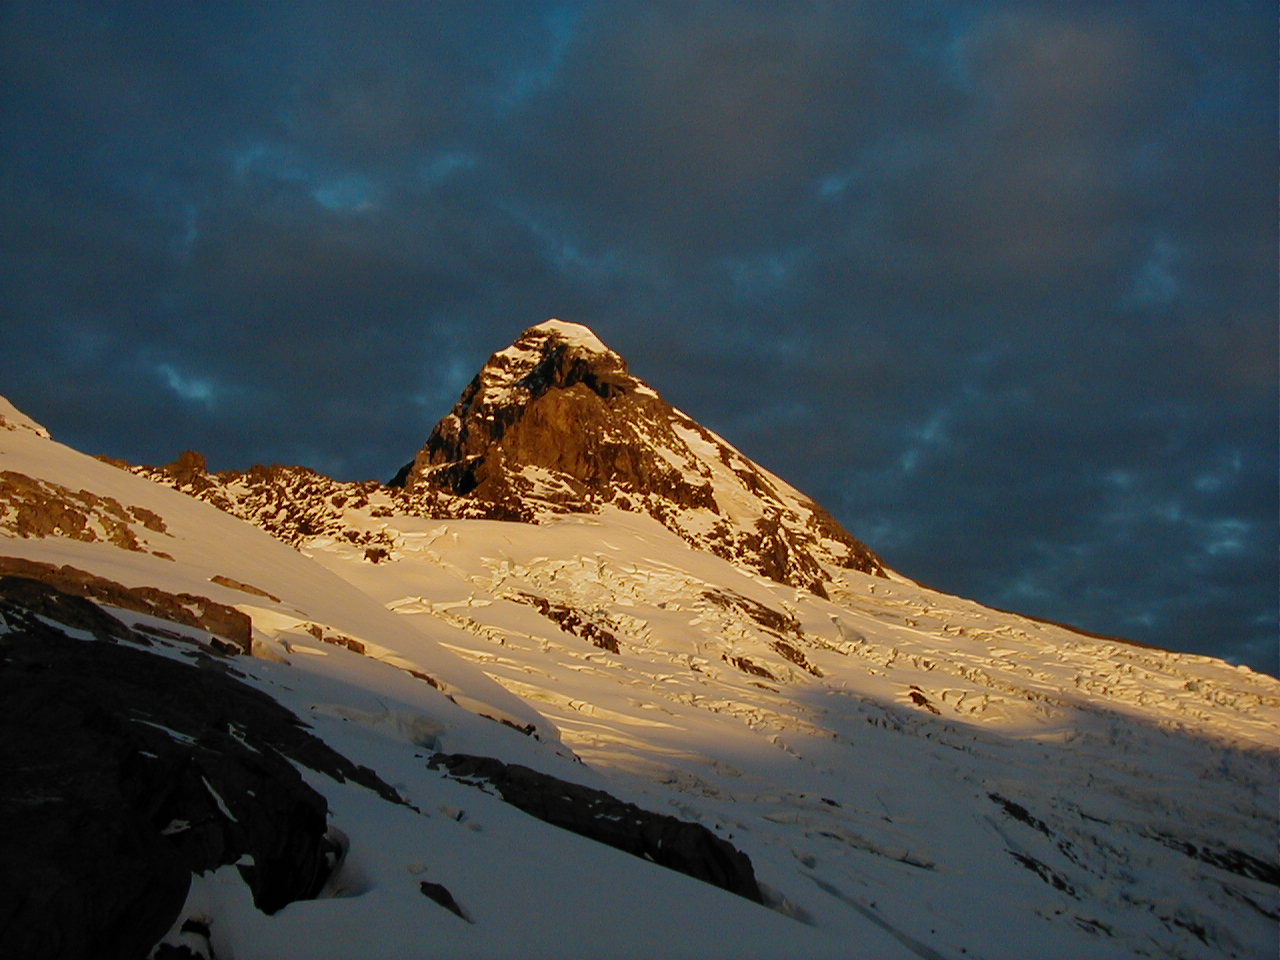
(574, 334)
(552, 354)
(556, 423)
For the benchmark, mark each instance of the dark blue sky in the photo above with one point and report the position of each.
(994, 282)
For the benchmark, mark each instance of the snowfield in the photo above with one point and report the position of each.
(911, 774)
(990, 783)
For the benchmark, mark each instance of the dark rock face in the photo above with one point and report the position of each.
(746, 666)
(187, 609)
(557, 423)
(125, 772)
(249, 588)
(688, 848)
(785, 629)
(1226, 858)
(571, 621)
(441, 895)
(71, 610)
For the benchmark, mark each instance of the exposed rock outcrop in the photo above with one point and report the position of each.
(34, 508)
(557, 423)
(571, 621)
(688, 848)
(292, 504)
(224, 622)
(127, 772)
(441, 895)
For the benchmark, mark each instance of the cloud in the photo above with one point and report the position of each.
(187, 387)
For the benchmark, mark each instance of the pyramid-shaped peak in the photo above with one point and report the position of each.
(552, 338)
(556, 423)
(551, 354)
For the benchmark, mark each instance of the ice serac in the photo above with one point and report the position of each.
(557, 423)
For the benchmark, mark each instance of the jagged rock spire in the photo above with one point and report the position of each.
(557, 423)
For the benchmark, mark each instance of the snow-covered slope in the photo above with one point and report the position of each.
(384, 691)
(59, 506)
(911, 774)
(979, 784)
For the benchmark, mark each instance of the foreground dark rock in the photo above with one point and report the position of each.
(224, 622)
(688, 848)
(125, 772)
(441, 895)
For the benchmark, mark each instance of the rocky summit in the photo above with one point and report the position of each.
(556, 423)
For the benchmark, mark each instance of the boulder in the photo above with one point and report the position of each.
(679, 845)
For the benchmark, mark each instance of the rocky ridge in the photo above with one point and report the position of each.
(554, 424)
(557, 423)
